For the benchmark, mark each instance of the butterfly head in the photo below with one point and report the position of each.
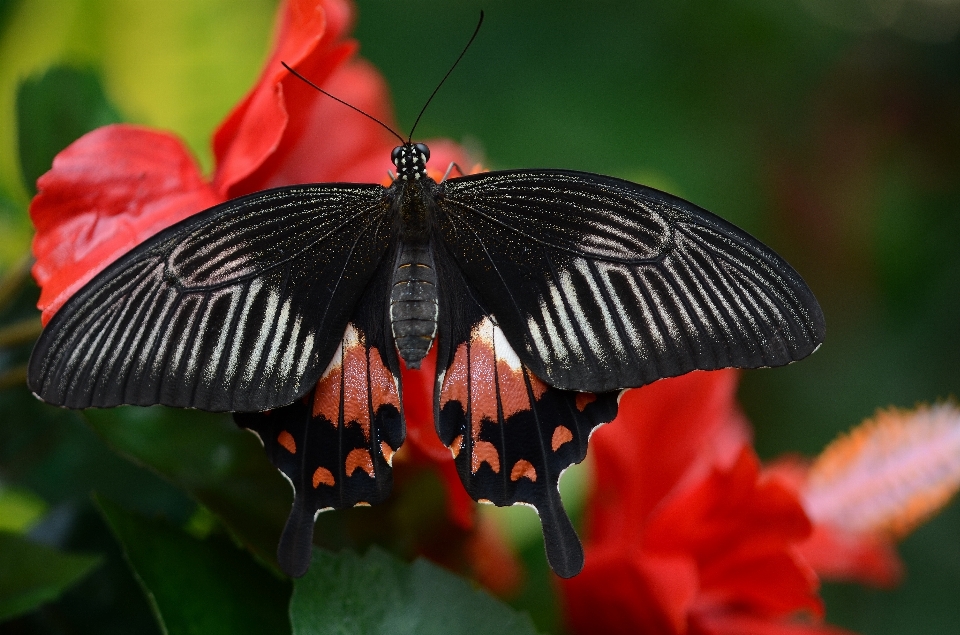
(411, 161)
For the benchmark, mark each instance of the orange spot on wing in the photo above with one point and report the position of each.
(454, 387)
(523, 468)
(383, 387)
(287, 441)
(358, 459)
(485, 452)
(584, 399)
(322, 475)
(326, 397)
(456, 446)
(561, 434)
(387, 452)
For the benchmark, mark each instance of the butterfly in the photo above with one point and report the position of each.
(545, 292)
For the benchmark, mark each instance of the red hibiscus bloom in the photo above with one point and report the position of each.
(685, 535)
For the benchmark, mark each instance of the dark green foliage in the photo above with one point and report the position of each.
(209, 458)
(377, 594)
(53, 110)
(199, 586)
(32, 574)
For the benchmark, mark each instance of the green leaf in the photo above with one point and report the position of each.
(199, 586)
(15, 231)
(344, 593)
(19, 509)
(53, 453)
(220, 465)
(32, 574)
(53, 110)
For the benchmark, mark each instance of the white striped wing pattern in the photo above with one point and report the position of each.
(601, 284)
(223, 311)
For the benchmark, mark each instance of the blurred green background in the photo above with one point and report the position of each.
(830, 129)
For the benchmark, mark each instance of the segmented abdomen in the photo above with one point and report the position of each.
(413, 303)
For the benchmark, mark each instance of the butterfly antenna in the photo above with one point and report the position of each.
(462, 53)
(335, 98)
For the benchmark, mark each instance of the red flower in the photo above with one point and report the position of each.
(120, 184)
(685, 535)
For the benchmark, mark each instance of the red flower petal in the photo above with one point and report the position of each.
(775, 584)
(106, 193)
(418, 408)
(250, 144)
(669, 431)
(741, 531)
(713, 517)
(334, 143)
(746, 624)
(854, 557)
(630, 593)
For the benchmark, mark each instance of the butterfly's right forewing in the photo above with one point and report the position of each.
(239, 307)
(601, 284)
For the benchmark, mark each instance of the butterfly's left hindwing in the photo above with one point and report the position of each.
(511, 434)
(336, 444)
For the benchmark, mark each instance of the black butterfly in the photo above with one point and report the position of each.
(547, 292)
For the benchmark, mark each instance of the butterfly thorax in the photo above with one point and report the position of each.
(414, 302)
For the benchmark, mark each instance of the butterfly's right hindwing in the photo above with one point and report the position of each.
(237, 308)
(511, 434)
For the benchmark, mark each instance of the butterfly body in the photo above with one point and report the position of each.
(544, 292)
(414, 299)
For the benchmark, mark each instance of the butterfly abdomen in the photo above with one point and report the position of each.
(414, 303)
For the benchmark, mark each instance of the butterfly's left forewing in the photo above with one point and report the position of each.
(336, 444)
(511, 434)
(238, 307)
